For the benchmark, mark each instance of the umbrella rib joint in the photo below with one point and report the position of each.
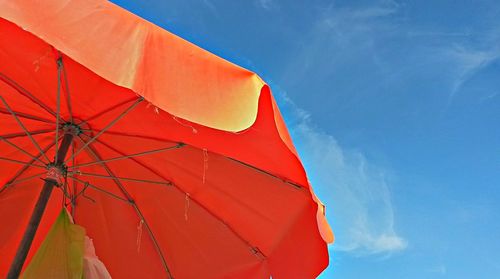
(56, 172)
(110, 124)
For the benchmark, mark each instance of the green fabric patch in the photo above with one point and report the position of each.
(61, 253)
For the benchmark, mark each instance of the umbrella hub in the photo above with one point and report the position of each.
(57, 172)
(71, 128)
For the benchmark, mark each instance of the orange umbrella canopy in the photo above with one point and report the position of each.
(181, 165)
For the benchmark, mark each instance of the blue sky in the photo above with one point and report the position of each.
(395, 109)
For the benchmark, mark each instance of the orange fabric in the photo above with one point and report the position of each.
(221, 219)
(145, 58)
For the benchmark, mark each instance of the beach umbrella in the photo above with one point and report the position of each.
(174, 162)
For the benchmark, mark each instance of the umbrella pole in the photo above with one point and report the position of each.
(41, 204)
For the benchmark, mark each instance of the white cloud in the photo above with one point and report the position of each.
(354, 190)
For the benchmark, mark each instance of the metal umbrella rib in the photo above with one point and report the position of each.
(120, 178)
(24, 128)
(26, 167)
(110, 124)
(25, 93)
(97, 157)
(130, 156)
(21, 162)
(25, 179)
(27, 116)
(60, 64)
(101, 113)
(239, 236)
(116, 133)
(58, 105)
(23, 134)
(97, 188)
(134, 160)
(23, 151)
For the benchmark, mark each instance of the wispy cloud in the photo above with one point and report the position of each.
(266, 4)
(439, 269)
(338, 15)
(346, 37)
(350, 57)
(355, 190)
(488, 97)
(211, 7)
(468, 61)
(338, 35)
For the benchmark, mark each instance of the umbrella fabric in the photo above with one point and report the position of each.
(223, 195)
